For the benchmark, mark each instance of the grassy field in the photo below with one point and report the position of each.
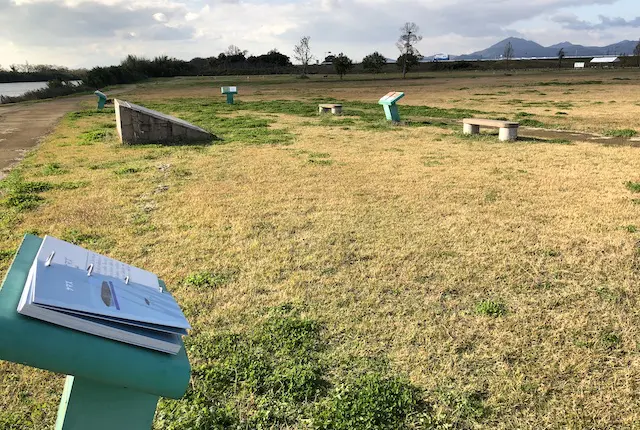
(344, 273)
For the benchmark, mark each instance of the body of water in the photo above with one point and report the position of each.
(14, 89)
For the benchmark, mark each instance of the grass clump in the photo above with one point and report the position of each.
(262, 379)
(491, 308)
(372, 401)
(610, 339)
(207, 279)
(22, 195)
(53, 169)
(634, 187)
(82, 238)
(625, 132)
(128, 170)
(6, 255)
(528, 122)
(92, 136)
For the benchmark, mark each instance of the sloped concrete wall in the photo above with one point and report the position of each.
(137, 124)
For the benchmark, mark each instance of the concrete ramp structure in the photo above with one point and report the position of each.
(137, 124)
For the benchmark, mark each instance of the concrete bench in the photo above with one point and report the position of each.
(335, 109)
(508, 129)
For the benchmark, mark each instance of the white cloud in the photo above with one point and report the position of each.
(89, 32)
(160, 17)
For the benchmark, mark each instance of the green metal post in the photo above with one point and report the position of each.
(102, 99)
(114, 385)
(230, 98)
(89, 405)
(393, 113)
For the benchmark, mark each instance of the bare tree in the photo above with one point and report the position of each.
(561, 55)
(508, 53)
(406, 43)
(636, 52)
(234, 50)
(302, 53)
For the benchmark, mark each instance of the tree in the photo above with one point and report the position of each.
(561, 55)
(233, 50)
(406, 44)
(636, 52)
(406, 62)
(302, 53)
(329, 58)
(373, 63)
(508, 53)
(342, 64)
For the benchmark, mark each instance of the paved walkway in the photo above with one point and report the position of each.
(23, 125)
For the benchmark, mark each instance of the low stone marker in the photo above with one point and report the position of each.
(390, 108)
(335, 109)
(110, 385)
(102, 99)
(229, 91)
(508, 129)
(137, 124)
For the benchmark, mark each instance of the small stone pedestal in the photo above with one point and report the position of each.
(470, 129)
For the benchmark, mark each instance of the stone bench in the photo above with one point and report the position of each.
(335, 109)
(508, 129)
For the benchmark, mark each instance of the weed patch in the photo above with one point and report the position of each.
(527, 122)
(491, 308)
(372, 401)
(634, 187)
(208, 279)
(127, 170)
(53, 169)
(625, 132)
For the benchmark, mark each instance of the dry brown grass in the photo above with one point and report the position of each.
(391, 246)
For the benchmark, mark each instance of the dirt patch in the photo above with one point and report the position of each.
(23, 125)
(573, 136)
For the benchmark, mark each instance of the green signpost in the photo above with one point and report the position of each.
(390, 108)
(111, 385)
(102, 99)
(229, 91)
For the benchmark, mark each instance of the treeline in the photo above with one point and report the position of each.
(38, 73)
(233, 62)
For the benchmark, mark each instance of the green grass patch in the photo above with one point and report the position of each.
(625, 132)
(371, 401)
(7, 255)
(53, 169)
(528, 122)
(127, 170)
(491, 308)
(22, 195)
(92, 136)
(634, 187)
(209, 280)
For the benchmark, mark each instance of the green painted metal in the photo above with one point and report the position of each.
(103, 364)
(102, 99)
(229, 91)
(389, 103)
(89, 405)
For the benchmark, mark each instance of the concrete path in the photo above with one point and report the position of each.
(23, 125)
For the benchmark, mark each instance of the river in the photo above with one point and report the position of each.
(14, 89)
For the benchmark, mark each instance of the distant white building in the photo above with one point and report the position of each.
(604, 61)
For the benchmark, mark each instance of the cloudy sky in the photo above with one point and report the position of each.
(84, 33)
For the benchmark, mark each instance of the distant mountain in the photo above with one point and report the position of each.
(527, 48)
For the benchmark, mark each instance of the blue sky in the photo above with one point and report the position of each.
(85, 33)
